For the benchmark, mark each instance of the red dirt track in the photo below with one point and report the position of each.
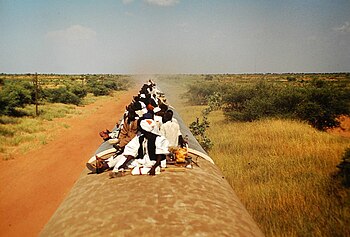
(33, 185)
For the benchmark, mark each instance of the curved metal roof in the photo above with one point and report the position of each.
(187, 202)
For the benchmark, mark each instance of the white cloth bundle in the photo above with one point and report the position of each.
(143, 170)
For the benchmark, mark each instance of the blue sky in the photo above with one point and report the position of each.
(174, 36)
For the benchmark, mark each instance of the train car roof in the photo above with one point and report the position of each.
(183, 202)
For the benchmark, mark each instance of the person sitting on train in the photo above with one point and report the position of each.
(170, 129)
(147, 150)
(129, 129)
(158, 117)
(123, 132)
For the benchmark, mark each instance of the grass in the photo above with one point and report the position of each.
(22, 134)
(29, 132)
(282, 170)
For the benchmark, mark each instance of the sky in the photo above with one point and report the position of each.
(174, 36)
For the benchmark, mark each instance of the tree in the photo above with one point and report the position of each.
(14, 95)
(62, 95)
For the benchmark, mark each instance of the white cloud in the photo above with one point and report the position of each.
(162, 3)
(73, 34)
(127, 1)
(345, 28)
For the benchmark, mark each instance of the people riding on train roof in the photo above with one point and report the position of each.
(170, 129)
(149, 148)
(129, 129)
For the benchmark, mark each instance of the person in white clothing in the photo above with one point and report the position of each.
(148, 149)
(157, 117)
(170, 129)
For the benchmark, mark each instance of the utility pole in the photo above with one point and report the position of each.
(36, 94)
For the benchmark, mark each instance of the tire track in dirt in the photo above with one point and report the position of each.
(33, 185)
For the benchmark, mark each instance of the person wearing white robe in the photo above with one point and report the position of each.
(170, 129)
(129, 157)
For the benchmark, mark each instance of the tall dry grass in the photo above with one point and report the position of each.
(282, 170)
(283, 173)
(22, 134)
(18, 135)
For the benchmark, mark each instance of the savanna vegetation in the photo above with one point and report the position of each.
(18, 91)
(29, 103)
(266, 132)
(268, 136)
(316, 101)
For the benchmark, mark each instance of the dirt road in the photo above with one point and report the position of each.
(33, 185)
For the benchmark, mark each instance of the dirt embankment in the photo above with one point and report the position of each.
(344, 129)
(34, 184)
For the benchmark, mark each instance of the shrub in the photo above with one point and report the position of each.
(236, 99)
(252, 102)
(199, 92)
(100, 90)
(113, 85)
(318, 102)
(290, 78)
(323, 104)
(79, 91)
(288, 100)
(214, 101)
(198, 129)
(62, 95)
(208, 77)
(14, 95)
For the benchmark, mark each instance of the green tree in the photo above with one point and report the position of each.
(319, 103)
(62, 95)
(323, 104)
(79, 91)
(14, 95)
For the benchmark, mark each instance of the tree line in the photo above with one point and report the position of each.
(318, 102)
(17, 93)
